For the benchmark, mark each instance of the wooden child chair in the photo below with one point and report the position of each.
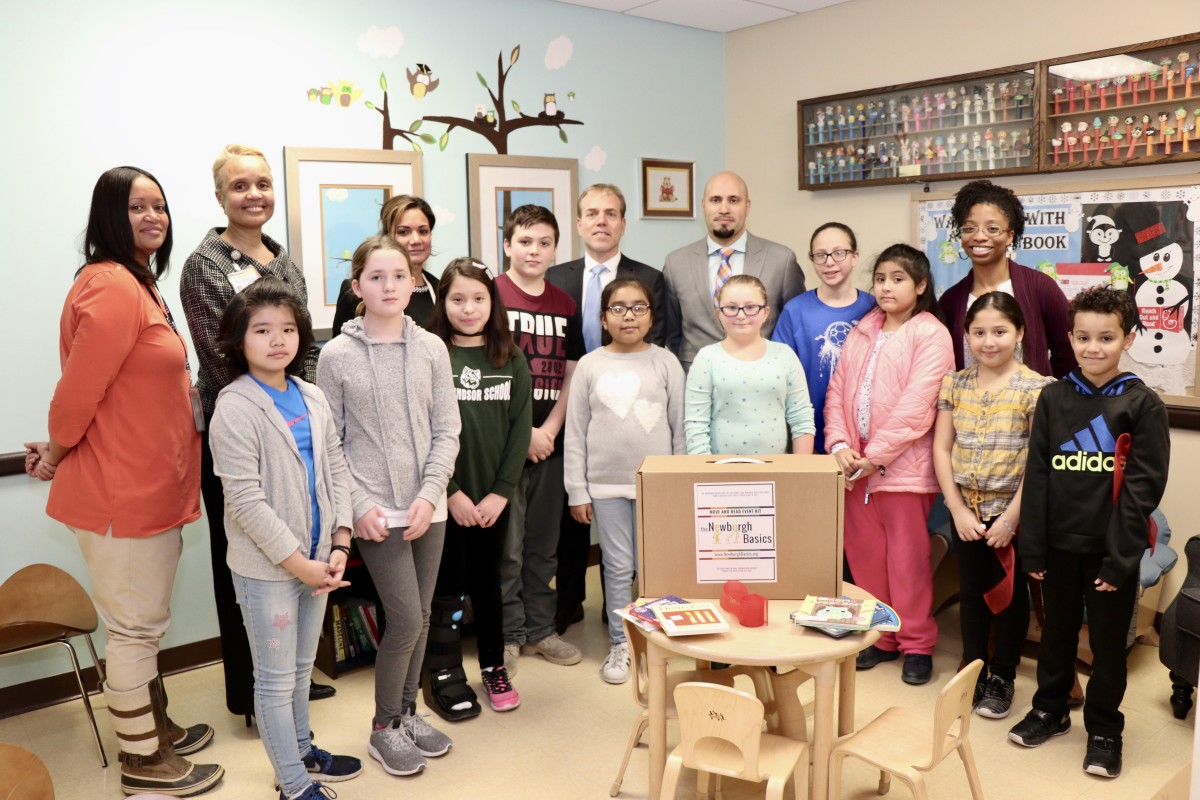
(637, 652)
(721, 734)
(906, 744)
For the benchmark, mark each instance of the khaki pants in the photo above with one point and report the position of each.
(132, 579)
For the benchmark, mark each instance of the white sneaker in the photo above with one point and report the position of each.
(512, 653)
(615, 668)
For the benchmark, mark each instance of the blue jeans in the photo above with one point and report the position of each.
(616, 526)
(283, 624)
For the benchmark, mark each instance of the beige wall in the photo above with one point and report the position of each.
(864, 44)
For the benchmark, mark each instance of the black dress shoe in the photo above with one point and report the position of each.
(566, 617)
(918, 669)
(319, 691)
(872, 655)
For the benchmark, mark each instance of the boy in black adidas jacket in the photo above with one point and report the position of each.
(1085, 548)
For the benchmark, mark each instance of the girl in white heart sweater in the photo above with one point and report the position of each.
(626, 403)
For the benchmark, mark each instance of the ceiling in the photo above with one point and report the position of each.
(721, 16)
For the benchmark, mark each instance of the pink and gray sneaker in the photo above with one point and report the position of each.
(501, 694)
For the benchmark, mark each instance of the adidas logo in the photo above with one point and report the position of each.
(1089, 449)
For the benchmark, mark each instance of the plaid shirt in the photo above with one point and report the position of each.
(991, 435)
(205, 290)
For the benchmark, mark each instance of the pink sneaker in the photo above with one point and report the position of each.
(500, 692)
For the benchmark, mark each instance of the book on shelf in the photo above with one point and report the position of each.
(643, 615)
(884, 618)
(372, 622)
(841, 613)
(356, 631)
(339, 644)
(690, 619)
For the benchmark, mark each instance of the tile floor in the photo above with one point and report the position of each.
(566, 740)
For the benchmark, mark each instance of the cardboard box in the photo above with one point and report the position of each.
(775, 525)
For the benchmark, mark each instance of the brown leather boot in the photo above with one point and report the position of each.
(148, 759)
(185, 740)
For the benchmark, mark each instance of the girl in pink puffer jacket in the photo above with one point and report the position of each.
(879, 415)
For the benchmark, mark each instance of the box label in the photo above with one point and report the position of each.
(735, 532)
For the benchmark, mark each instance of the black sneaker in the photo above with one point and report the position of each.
(330, 768)
(1038, 726)
(872, 655)
(980, 685)
(997, 698)
(918, 669)
(1103, 756)
(315, 791)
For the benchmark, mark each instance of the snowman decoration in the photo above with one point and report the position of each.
(1162, 302)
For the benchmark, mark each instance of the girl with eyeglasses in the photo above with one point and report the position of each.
(815, 323)
(626, 403)
(988, 222)
(747, 395)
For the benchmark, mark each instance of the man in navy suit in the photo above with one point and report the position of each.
(600, 220)
(691, 273)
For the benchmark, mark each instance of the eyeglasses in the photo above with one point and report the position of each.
(751, 310)
(990, 230)
(638, 309)
(838, 256)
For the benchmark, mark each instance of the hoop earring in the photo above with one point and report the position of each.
(962, 254)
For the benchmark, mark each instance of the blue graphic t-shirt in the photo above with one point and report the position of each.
(817, 332)
(290, 404)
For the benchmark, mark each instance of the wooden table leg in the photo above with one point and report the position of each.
(789, 711)
(656, 662)
(846, 680)
(825, 678)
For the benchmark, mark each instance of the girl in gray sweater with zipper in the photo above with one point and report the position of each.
(389, 384)
(287, 517)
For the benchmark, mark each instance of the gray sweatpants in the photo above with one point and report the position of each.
(405, 575)
(530, 557)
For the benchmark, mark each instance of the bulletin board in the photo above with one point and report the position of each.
(1142, 235)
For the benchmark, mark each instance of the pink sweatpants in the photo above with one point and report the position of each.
(887, 546)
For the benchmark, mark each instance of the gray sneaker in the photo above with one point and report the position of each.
(512, 652)
(554, 650)
(428, 740)
(394, 749)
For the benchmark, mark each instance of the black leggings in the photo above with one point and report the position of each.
(471, 565)
(979, 569)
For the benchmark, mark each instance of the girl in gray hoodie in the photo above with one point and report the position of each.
(287, 517)
(389, 385)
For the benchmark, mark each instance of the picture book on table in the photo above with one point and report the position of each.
(643, 615)
(689, 619)
(841, 613)
(884, 619)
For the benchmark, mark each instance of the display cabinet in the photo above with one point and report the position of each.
(966, 126)
(1124, 106)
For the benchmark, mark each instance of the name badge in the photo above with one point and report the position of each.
(242, 278)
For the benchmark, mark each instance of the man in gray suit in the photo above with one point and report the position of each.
(691, 273)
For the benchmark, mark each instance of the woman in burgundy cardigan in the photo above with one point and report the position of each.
(988, 219)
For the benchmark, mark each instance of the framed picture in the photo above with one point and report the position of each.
(498, 184)
(668, 189)
(333, 202)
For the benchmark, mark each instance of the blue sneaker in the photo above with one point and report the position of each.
(330, 768)
(316, 791)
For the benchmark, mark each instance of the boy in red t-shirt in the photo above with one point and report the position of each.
(544, 326)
